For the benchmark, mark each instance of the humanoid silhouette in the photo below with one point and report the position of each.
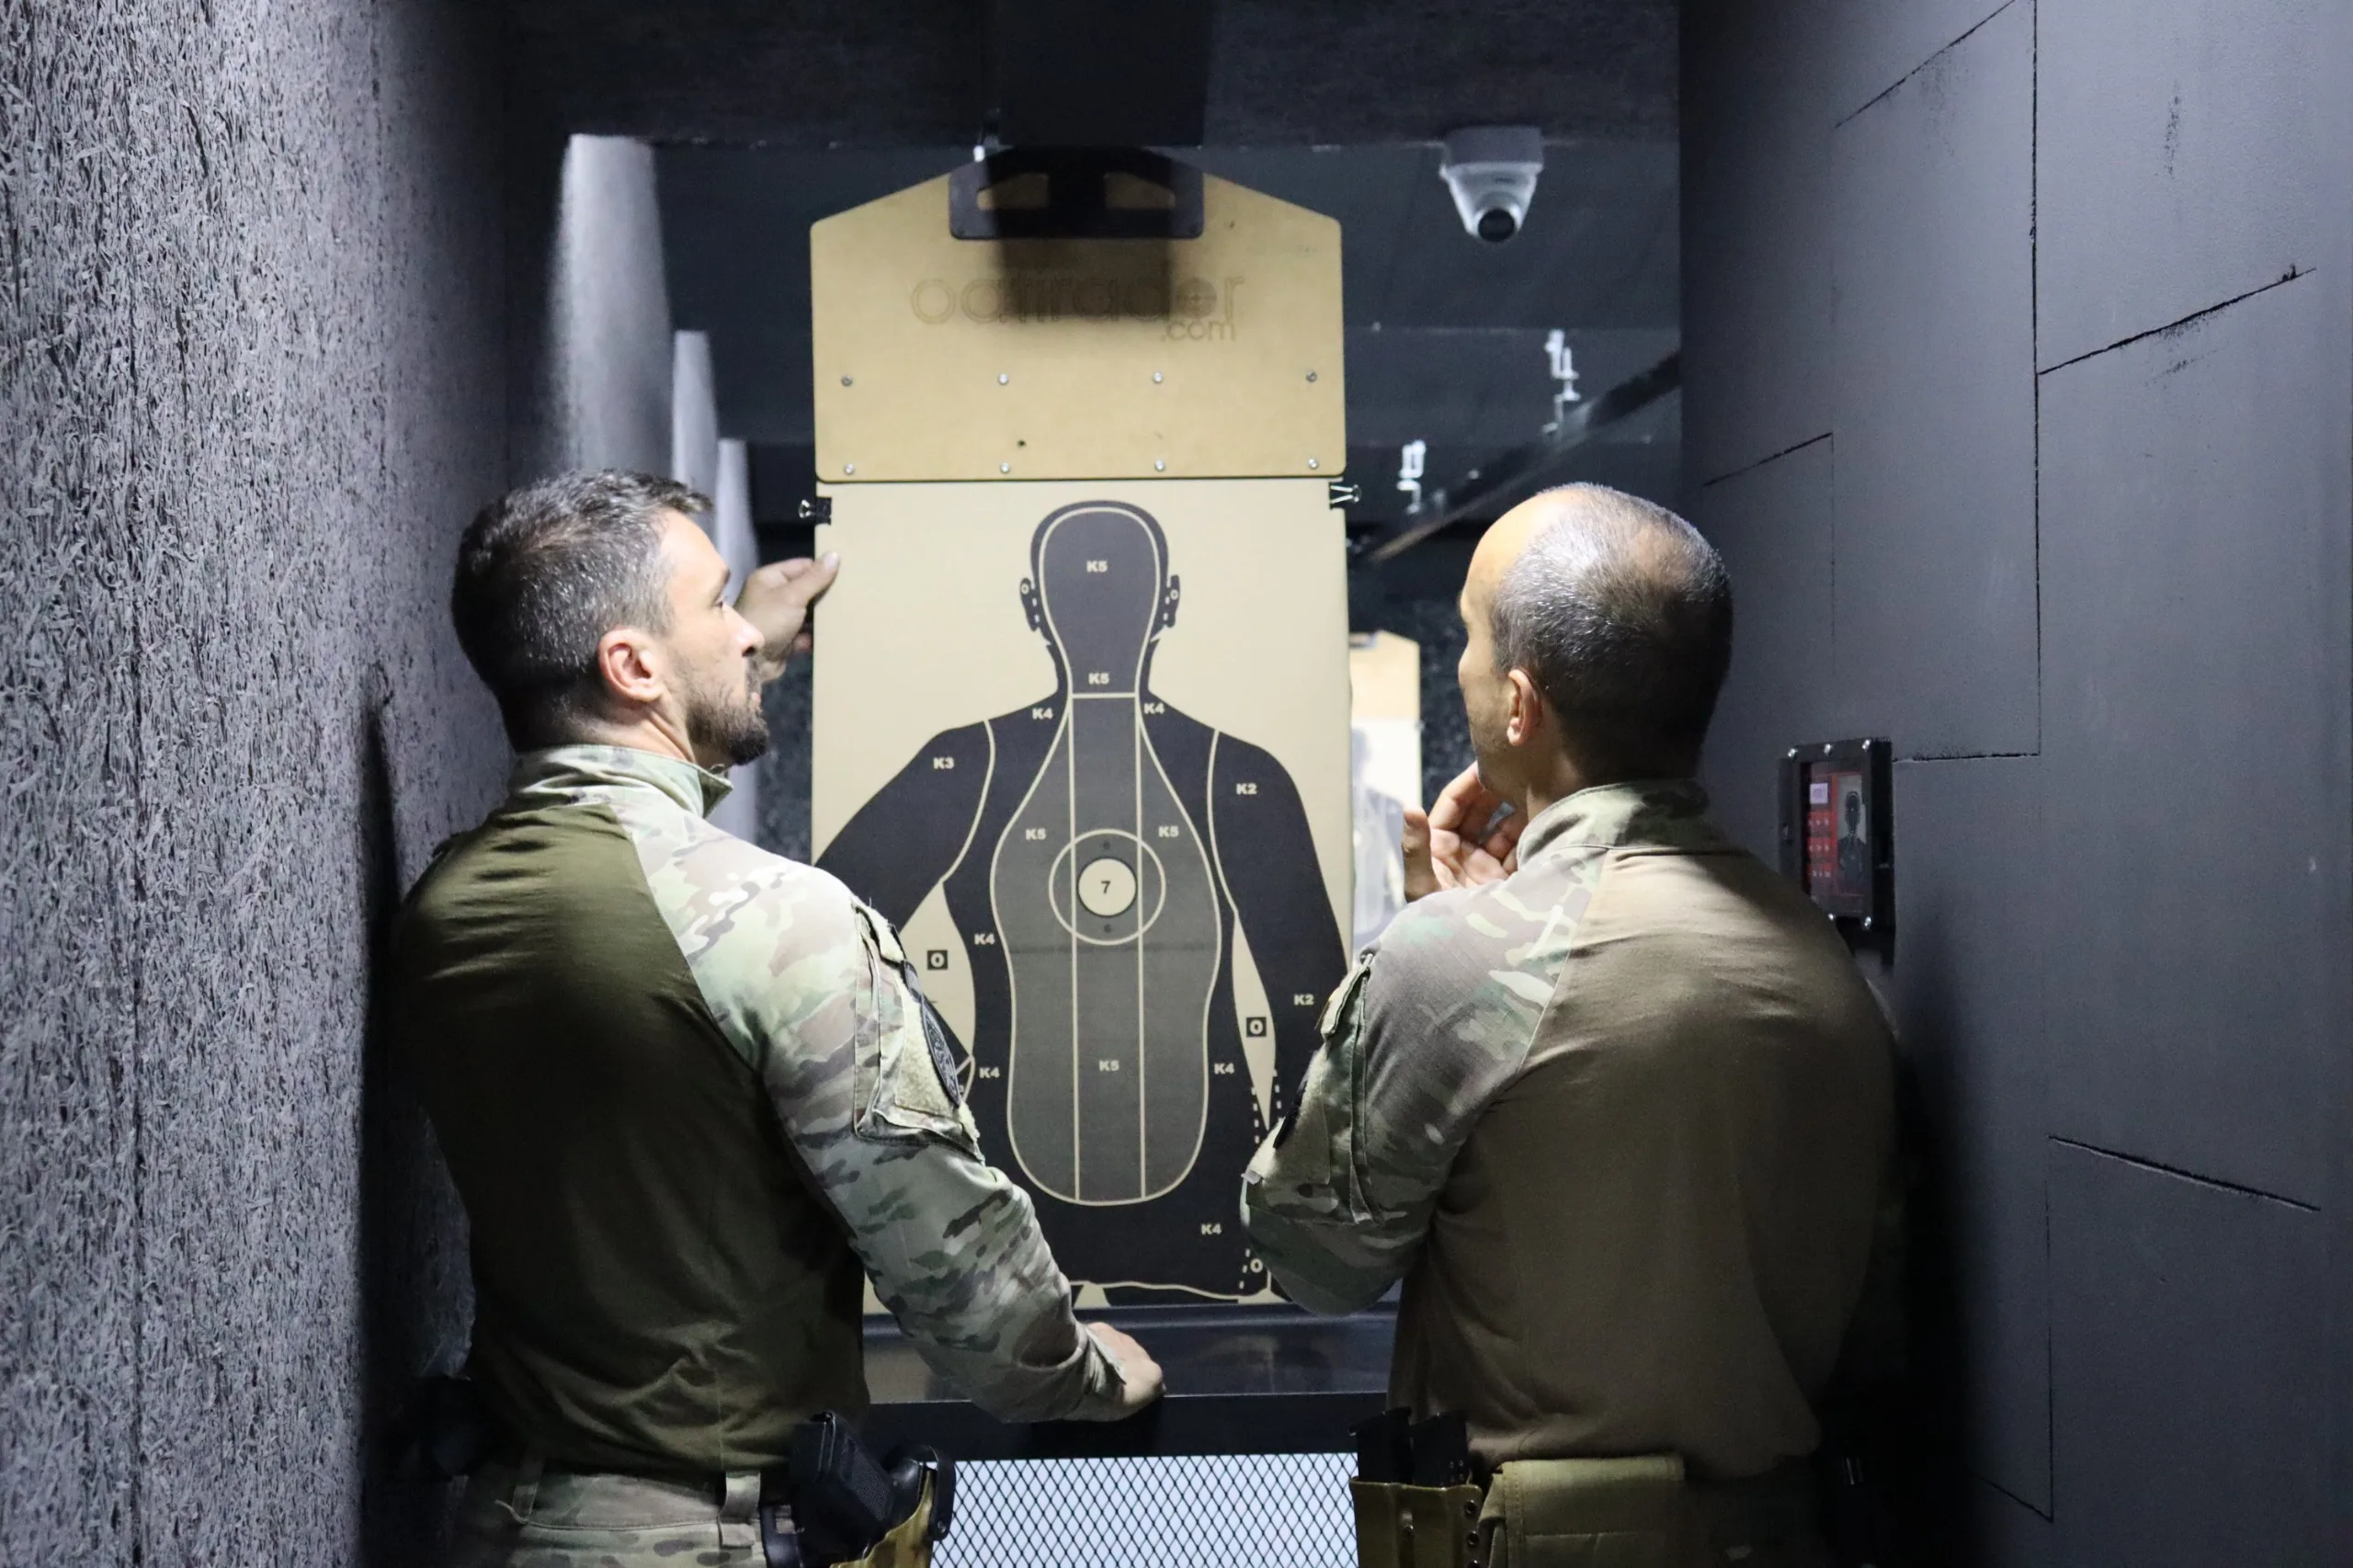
(1854, 850)
(1097, 850)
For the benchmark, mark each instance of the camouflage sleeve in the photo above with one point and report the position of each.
(812, 987)
(1427, 1027)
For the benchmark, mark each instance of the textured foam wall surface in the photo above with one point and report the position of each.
(250, 341)
(784, 772)
(591, 349)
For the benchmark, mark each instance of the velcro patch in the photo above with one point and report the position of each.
(935, 1037)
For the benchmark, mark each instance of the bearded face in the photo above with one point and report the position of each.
(723, 714)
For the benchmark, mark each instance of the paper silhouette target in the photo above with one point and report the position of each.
(1125, 905)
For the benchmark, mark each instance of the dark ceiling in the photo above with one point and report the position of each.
(774, 113)
(879, 74)
(1446, 333)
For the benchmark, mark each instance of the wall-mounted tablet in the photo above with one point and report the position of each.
(1837, 841)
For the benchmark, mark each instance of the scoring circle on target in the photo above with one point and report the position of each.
(1127, 872)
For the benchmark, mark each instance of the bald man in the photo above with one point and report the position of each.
(1609, 1096)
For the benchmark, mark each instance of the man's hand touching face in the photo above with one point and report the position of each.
(777, 598)
(1453, 846)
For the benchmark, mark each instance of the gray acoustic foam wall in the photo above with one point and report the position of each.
(784, 772)
(591, 349)
(251, 383)
(2020, 374)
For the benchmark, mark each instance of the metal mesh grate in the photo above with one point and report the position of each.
(1197, 1511)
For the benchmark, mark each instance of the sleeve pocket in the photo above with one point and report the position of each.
(902, 1095)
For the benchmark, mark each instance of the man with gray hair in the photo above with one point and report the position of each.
(1609, 1096)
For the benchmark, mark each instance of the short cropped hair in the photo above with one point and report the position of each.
(544, 572)
(1621, 615)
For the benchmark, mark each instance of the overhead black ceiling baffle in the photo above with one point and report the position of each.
(1082, 73)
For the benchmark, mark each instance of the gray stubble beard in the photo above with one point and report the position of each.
(739, 730)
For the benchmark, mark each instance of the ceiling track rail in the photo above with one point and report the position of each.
(1486, 489)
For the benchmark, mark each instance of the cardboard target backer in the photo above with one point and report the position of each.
(1087, 744)
(941, 358)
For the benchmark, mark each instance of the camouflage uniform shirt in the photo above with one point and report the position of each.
(813, 991)
(1436, 1018)
(1620, 1122)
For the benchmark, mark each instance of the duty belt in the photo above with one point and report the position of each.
(1421, 1502)
(831, 1503)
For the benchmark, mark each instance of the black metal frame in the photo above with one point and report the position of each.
(1497, 484)
(1075, 205)
(1873, 758)
(1260, 1380)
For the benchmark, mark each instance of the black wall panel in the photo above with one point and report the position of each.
(1771, 523)
(1968, 987)
(2188, 153)
(913, 72)
(2195, 570)
(1933, 370)
(1998, 1528)
(2188, 1336)
(1755, 233)
(2136, 569)
(1871, 45)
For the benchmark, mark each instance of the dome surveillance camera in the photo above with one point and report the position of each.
(1491, 171)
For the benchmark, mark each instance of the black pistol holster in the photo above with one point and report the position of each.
(441, 1431)
(1415, 1495)
(833, 1502)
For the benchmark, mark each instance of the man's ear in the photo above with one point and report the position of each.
(1525, 717)
(631, 666)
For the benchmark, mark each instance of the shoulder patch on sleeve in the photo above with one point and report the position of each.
(909, 1081)
(1336, 1007)
(935, 1035)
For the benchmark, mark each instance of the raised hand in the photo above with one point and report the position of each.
(1459, 842)
(776, 598)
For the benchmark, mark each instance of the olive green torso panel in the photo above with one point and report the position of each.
(658, 1287)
